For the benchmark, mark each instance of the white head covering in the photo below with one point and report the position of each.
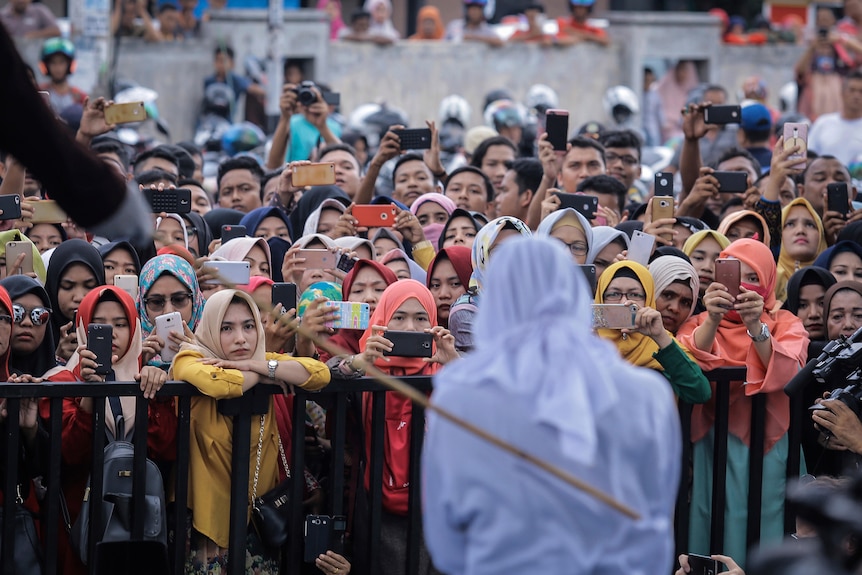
(352, 242)
(602, 236)
(305, 240)
(534, 337)
(547, 225)
(667, 269)
(182, 222)
(314, 217)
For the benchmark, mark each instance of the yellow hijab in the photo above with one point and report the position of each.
(636, 348)
(787, 266)
(694, 240)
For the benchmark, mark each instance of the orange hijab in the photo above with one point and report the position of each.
(433, 13)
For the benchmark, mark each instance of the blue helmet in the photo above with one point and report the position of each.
(242, 137)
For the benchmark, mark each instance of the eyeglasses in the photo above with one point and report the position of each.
(38, 315)
(618, 296)
(577, 248)
(610, 157)
(157, 302)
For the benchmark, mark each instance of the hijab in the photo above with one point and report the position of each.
(201, 230)
(218, 217)
(129, 363)
(349, 338)
(458, 213)
(6, 301)
(603, 236)
(183, 272)
(278, 250)
(812, 275)
(566, 217)
(835, 288)
(395, 295)
(44, 358)
(17, 236)
(524, 342)
(459, 256)
(305, 240)
(851, 232)
(351, 243)
(667, 269)
(629, 227)
(389, 235)
(824, 260)
(237, 249)
(636, 348)
(70, 252)
(253, 219)
(485, 239)
(416, 271)
(429, 13)
(254, 283)
(786, 264)
(381, 29)
(105, 249)
(433, 231)
(735, 217)
(335, 24)
(310, 201)
(182, 223)
(313, 221)
(694, 240)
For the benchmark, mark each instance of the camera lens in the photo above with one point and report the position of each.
(663, 182)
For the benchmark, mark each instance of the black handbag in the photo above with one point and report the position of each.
(28, 553)
(270, 513)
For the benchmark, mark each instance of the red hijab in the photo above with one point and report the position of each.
(6, 300)
(349, 338)
(460, 258)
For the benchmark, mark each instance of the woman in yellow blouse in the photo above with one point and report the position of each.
(226, 359)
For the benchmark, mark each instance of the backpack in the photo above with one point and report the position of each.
(117, 496)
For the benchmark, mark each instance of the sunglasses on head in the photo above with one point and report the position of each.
(38, 315)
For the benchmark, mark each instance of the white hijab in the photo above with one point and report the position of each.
(602, 236)
(314, 217)
(534, 337)
(667, 269)
(550, 222)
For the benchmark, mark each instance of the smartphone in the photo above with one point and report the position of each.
(702, 565)
(410, 343)
(171, 201)
(728, 274)
(48, 212)
(318, 259)
(13, 251)
(557, 127)
(125, 113)
(284, 293)
(235, 273)
(731, 182)
(346, 263)
(336, 534)
(375, 216)
(127, 283)
(314, 174)
(797, 135)
(46, 97)
(232, 232)
(583, 204)
(661, 207)
(10, 207)
(352, 315)
(614, 316)
(165, 324)
(729, 114)
(316, 536)
(837, 198)
(640, 247)
(663, 184)
(99, 341)
(589, 271)
(414, 138)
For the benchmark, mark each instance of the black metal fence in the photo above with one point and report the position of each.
(337, 397)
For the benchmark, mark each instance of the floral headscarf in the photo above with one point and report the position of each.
(185, 274)
(483, 242)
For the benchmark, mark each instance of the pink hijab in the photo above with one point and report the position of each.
(335, 24)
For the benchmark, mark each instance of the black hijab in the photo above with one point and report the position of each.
(203, 233)
(811, 275)
(104, 250)
(218, 217)
(458, 213)
(43, 359)
(70, 252)
(310, 201)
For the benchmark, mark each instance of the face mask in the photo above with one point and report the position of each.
(432, 232)
(733, 315)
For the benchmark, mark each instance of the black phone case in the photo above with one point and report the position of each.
(11, 206)
(729, 114)
(415, 138)
(663, 184)
(346, 263)
(316, 536)
(590, 273)
(171, 201)
(584, 205)
(410, 343)
(838, 198)
(284, 294)
(702, 565)
(99, 338)
(557, 127)
(232, 232)
(731, 182)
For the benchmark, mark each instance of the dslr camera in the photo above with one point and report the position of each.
(840, 364)
(306, 96)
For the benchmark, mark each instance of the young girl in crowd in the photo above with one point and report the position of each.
(843, 260)
(255, 251)
(403, 267)
(32, 347)
(460, 230)
(608, 243)
(802, 240)
(119, 258)
(448, 279)
(703, 249)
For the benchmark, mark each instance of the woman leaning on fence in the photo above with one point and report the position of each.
(748, 330)
(226, 359)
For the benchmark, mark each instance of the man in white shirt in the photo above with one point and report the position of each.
(840, 134)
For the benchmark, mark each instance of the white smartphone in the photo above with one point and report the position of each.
(235, 273)
(640, 247)
(127, 283)
(165, 324)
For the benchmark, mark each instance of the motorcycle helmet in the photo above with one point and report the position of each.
(788, 97)
(541, 98)
(219, 99)
(373, 121)
(494, 95)
(455, 108)
(57, 46)
(242, 137)
(620, 103)
(504, 114)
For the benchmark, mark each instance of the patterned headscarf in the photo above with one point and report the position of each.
(483, 242)
(185, 274)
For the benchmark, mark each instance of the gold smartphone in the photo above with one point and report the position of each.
(314, 174)
(125, 113)
(13, 251)
(48, 212)
(661, 207)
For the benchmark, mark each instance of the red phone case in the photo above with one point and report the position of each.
(375, 216)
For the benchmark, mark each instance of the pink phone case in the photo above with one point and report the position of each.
(797, 135)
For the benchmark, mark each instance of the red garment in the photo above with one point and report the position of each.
(566, 25)
(398, 411)
(461, 261)
(525, 36)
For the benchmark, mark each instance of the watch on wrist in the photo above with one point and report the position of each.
(272, 365)
(762, 336)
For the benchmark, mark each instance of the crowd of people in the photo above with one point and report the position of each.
(513, 339)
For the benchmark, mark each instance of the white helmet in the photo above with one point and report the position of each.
(541, 98)
(620, 103)
(454, 107)
(504, 114)
(788, 96)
